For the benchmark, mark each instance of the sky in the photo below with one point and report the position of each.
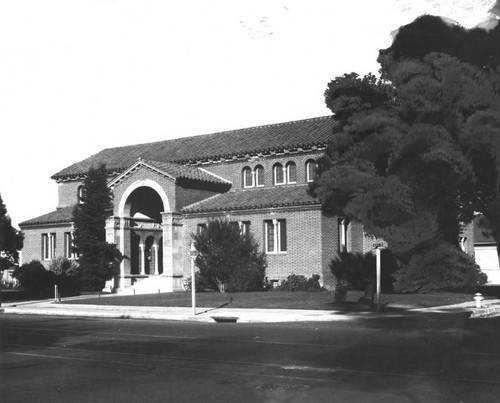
(78, 76)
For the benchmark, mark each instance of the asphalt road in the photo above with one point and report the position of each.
(392, 358)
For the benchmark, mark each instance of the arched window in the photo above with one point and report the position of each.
(79, 194)
(310, 170)
(259, 175)
(247, 177)
(291, 172)
(279, 176)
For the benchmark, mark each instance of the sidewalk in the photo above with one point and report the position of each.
(489, 308)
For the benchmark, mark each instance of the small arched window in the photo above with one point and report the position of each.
(310, 170)
(79, 194)
(259, 175)
(279, 176)
(291, 172)
(247, 177)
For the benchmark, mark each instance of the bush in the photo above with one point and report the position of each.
(296, 282)
(35, 280)
(441, 267)
(229, 259)
(93, 277)
(202, 284)
(66, 272)
(360, 270)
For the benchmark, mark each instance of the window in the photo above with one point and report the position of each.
(244, 227)
(79, 194)
(48, 246)
(259, 175)
(279, 177)
(291, 171)
(275, 236)
(68, 246)
(247, 177)
(201, 228)
(343, 223)
(310, 170)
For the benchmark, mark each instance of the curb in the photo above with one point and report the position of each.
(486, 312)
(173, 314)
(223, 315)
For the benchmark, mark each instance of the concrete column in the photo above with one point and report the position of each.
(143, 258)
(173, 255)
(155, 249)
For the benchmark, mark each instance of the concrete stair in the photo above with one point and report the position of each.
(150, 285)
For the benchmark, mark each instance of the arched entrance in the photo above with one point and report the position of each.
(142, 208)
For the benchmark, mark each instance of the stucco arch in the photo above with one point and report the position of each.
(143, 183)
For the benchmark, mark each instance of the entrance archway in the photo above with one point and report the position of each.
(142, 206)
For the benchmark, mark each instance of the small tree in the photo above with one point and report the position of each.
(11, 240)
(229, 259)
(97, 258)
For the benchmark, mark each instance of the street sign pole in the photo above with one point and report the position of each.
(193, 253)
(377, 253)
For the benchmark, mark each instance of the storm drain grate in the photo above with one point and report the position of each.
(283, 386)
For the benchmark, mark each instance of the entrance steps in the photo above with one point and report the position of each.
(150, 285)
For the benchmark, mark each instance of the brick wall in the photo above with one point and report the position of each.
(329, 248)
(232, 171)
(32, 249)
(305, 230)
(67, 193)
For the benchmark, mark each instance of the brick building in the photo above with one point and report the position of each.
(165, 191)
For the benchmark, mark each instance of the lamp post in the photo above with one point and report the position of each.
(193, 253)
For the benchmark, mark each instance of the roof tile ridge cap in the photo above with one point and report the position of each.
(290, 122)
(192, 205)
(214, 175)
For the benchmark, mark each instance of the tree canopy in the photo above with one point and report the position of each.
(11, 239)
(418, 150)
(95, 255)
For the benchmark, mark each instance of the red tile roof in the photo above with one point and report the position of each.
(59, 216)
(265, 197)
(184, 172)
(262, 139)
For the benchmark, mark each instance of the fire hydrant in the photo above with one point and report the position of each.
(478, 298)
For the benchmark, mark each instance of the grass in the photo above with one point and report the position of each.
(323, 300)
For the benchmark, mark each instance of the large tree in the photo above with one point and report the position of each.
(11, 240)
(96, 257)
(404, 162)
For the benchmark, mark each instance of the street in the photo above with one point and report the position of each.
(389, 358)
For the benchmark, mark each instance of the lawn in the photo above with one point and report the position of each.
(276, 300)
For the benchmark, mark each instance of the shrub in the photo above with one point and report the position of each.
(66, 272)
(441, 267)
(229, 259)
(35, 280)
(359, 270)
(202, 284)
(296, 282)
(93, 277)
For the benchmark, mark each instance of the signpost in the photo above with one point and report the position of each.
(378, 249)
(377, 253)
(193, 253)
